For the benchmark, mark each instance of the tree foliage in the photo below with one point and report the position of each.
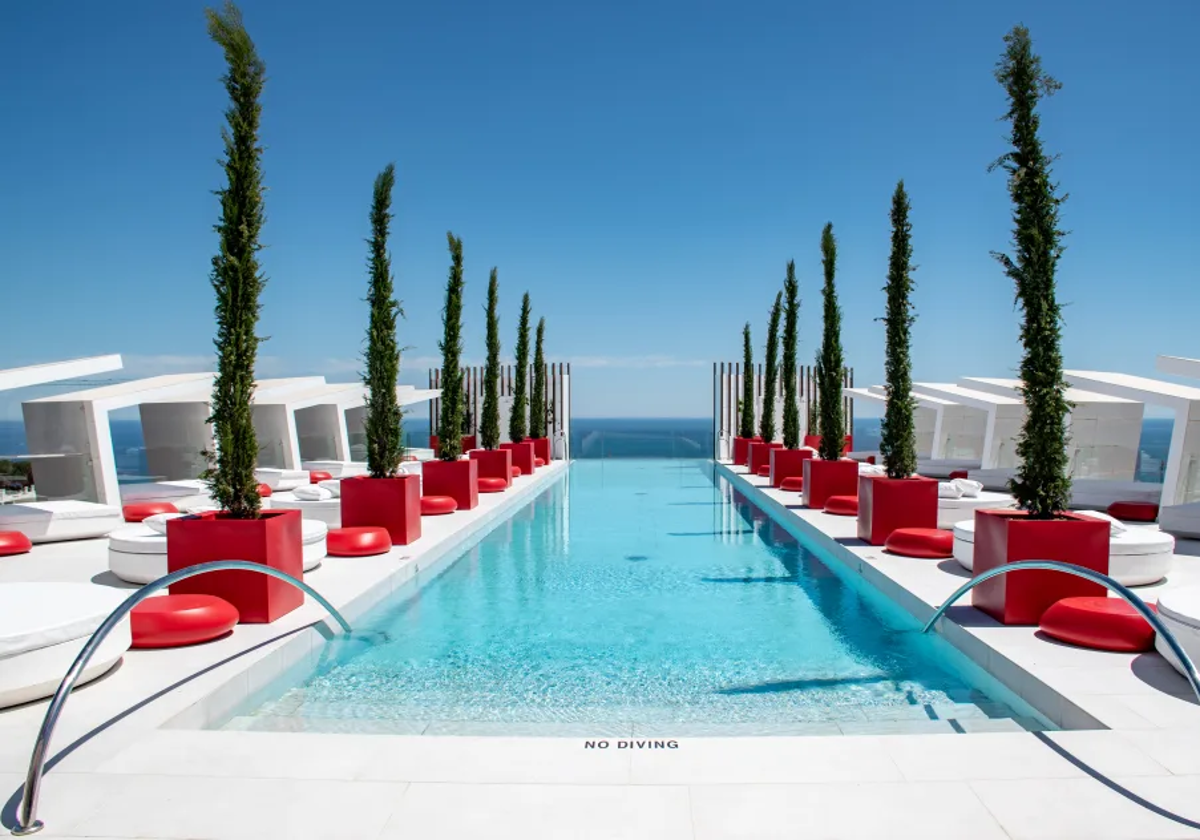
(746, 429)
(516, 420)
(489, 426)
(898, 443)
(766, 426)
(830, 365)
(791, 314)
(537, 402)
(450, 423)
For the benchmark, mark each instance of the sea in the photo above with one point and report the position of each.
(682, 437)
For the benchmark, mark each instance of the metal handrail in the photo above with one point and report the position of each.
(1096, 577)
(27, 822)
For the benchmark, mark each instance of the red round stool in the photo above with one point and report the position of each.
(315, 476)
(177, 620)
(1134, 511)
(437, 505)
(926, 543)
(764, 471)
(539, 462)
(958, 474)
(516, 472)
(492, 485)
(1098, 622)
(264, 491)
(842, 505)
(14, 542)
(793, 484)
(362, 541)
(139, 511)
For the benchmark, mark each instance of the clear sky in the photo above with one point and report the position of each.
(643, 169)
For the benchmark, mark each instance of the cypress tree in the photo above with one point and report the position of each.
(489, 426)
(830, 365)
(898, 444)
(746, 429)
(385, 445)
(236, 277)
(451, 422)
(516, 420)
(537, 403)
(791, 312)
(766, 426)
(1042, 485)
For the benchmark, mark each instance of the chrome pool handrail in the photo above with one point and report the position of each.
(28, 823)
(1096, 577)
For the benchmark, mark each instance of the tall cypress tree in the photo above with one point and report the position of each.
(1042, 485)
(898, 444)
(766, 426)
(516, 420)
(385, 444)
(451, 421)
(537, 403)
(489, 426)
(791, 313)
(830, 366)
(236, 277)
(746, 428)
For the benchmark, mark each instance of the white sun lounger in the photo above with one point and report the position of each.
(60, 520)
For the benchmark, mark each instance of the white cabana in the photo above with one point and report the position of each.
(1002, 416)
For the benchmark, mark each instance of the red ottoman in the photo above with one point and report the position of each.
(14, 542)
(926, 543)
(138, 512)
(177, 620)
(516, 472)
(1134, 511)
(764, 471)
(539, 462)
(264, 491)
(319, 475)
(437, 505)
(958, 474)
(843, 506)
(492, 485)
(363, 541)
(793, 483)
(1098, 622)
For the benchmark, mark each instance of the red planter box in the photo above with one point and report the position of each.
(760, 454)
(468, 443)
(1009, 536)
(541, 448)
(494, 463)
(457, 479)
(814, 441)
(272, 540)
(522, 455)
(391, 503)
(885, 504)
(741, 449)
(823, 479)
(786, 463)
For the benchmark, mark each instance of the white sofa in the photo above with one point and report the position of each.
(43, 626)
(53, 521)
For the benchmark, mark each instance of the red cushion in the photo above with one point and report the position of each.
(1134, 511)
(958, 474)
(14, 542)
(138, 512)
(842, 505)
(516, 472)
(437, 505)
(927, 543)
(361, 541)
(318, 475)
(793, 483)
(765, 470)
(539, 462)
(264, 491)
(1098, 622)
(492, 485)
(175, 620)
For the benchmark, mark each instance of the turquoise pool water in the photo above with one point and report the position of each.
(642, 597)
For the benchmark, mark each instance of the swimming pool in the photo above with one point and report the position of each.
(639, 597)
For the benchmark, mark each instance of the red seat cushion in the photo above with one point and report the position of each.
(539, 462)
(793, 483)
(842, 505)
(139, 511)
(437, 505)
(492, 485)
(1098, 622)
(958, 474)
(765, 470)
(264, 491)
(516, 472)
(14, 542)
(361, 541)
(318, 475)
(1134, 511)
(926, 543)
(176, 620)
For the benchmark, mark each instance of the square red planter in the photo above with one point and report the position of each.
(457, 479)
(541, 448)
(494, 463)
(814, 441)
(741, 449)
(786, 463)
(885, 504)
(271, 540)
(823, 479)
(391, 503)
(522, 455)
(760, 455)
(1009, 536)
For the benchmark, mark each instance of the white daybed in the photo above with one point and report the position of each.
(278, 479)
(53, 521)
(953, 511)
(321, 502)
(138, 553)
(189, 495)
(1181, 520)
(1179, 610)
(337, 469)
(43, 626)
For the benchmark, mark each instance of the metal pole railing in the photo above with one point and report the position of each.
(1096, 577)
(28, 823)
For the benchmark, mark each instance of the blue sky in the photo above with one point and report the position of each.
(644, 170)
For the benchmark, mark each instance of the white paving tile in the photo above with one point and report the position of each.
(1177, 750)
(1007, 755)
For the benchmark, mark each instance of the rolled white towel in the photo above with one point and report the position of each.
(1116, 526)
(871, 469)
(158, 522)
(333, 485)
(970, 489)
(949, 490)
(312, 493)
